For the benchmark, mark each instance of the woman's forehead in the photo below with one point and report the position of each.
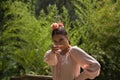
(58, 36)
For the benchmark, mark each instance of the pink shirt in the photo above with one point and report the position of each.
(67, 67)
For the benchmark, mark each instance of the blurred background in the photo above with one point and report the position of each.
(25, 34)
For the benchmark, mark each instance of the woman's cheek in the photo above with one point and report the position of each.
(64, 44)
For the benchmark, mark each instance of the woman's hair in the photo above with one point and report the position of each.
(58, 28)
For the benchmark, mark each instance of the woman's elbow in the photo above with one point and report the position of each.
(96, 70)
(93, 70)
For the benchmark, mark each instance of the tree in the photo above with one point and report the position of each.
(21, 48)
(99, 28)
(25, 33)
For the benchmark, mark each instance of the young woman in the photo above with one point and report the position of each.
(67, 60)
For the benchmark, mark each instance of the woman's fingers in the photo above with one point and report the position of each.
(55, 49)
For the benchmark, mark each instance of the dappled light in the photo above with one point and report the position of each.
(25, 34)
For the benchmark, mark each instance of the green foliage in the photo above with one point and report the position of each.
(100, 28)
(25, 33)
(22, 41)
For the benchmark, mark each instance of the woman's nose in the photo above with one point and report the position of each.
(57, 43)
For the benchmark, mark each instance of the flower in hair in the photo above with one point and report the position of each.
(61, 24)
(56, 25)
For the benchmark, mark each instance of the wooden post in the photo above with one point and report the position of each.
(31, 77)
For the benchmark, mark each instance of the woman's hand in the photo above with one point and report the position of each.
(56, 49)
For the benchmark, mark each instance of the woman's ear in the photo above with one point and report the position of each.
(67, 39)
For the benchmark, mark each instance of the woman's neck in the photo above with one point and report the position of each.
(65, 50)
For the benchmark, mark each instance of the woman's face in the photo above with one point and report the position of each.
(62, 40)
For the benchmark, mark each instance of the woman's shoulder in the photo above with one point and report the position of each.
(48, 51)
(75, 48)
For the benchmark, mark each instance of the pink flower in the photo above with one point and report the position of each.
(56, 25)
(61, 24)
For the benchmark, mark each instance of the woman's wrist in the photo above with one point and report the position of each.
(53, 52)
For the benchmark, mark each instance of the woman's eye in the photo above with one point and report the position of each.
(55, 41)
(61, 39)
